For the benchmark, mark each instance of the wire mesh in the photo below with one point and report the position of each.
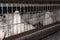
(18, 18)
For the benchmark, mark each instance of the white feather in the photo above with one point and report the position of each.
(48, 19)
(1, 34)
(18, 26)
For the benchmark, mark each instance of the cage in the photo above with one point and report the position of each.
(18, 18)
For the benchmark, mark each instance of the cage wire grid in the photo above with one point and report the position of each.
(18, 18)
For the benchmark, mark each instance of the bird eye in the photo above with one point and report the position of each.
(4, 16)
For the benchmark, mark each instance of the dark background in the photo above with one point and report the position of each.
(31, 1)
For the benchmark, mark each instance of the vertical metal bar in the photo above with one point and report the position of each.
(39, 14)
(33, 15)
(55, 14)
(48, 14)
(12, 19)
(32, 12)
(38, 8)
(36, 13)
(27, 28)
(24, 13)
(28, 17)
(8, 19)
(48, 11)
(43, 14)
(17, 20)
(16, 7)
(23, 23)
(25, 8)
(20, 20)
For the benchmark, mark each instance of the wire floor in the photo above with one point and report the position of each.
(55, 36)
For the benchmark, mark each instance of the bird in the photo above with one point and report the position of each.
(35, 20)
(15, 24)
(47, 18)
(2, 27)
(1, 34)
(20, 25)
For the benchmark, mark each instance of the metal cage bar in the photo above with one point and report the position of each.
(24, 17)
